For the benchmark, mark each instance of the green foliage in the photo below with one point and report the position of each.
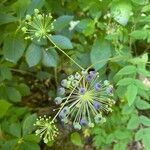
(33, 55)
(76, 139)
(112, 36)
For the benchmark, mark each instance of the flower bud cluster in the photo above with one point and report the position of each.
(38, 26)
(90, 99)
(46, 129)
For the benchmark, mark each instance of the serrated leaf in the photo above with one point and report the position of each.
(141, 2)
(131, 93)
(120, 146)
(144, 72)
(50, 57)
(139, 34)
(15, 129)
(13, 49)
(9, 144)
(4, 106)
(28, 124)
(127, 70)
(61, 41)
(146, 8)
(122, 134)
(62, 22)
(141, 104)
(24, 89)
(5, 73)
(20, 7)
(35, 4)
(29, 145)
(7, 18)
(140, 85)
(144, 120)
(100, 53)
(121, 12)
(13, 94)
(140, 60)
(146, 140)
(76, 139)
(141, 133)
(125, 81)
(133, 122)
(33, 55)
(31, 138)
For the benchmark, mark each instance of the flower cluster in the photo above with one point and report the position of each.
(46, 129)
(84, 99)
(38, 26)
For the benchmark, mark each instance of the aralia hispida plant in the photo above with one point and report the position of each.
(83, 98)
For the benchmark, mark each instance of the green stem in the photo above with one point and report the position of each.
(65, 54)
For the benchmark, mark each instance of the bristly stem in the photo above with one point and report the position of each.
(66, 54)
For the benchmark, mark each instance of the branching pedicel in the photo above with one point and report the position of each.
(82, 97)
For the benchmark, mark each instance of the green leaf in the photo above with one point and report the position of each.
(144, 135)
(120, 146)
(76, 139)
(131, 93)
(31, 138)
(144, 120)
(141, 133)
(7, 18)
(140, 60)
(146, 8)
(5, 73)
(9, 144)
(100, 53)
(125, 81)
(139, 34)
(35, 4)
(140, 84)
(61, 41)
(146, 140)
(4, 106)
(13, 49)
(121, 12)
(13, 94)
(30, 146)
(20, 7)
(127, 110)
(130, 69)
(122, 134)
(90, 28)
(33, 55)
(28, 124)
(141, 104)
(144, 72)
(15, 129)
(50, 57)
(133, 122)
(141, 2)
(62, 22)
(23, 89)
